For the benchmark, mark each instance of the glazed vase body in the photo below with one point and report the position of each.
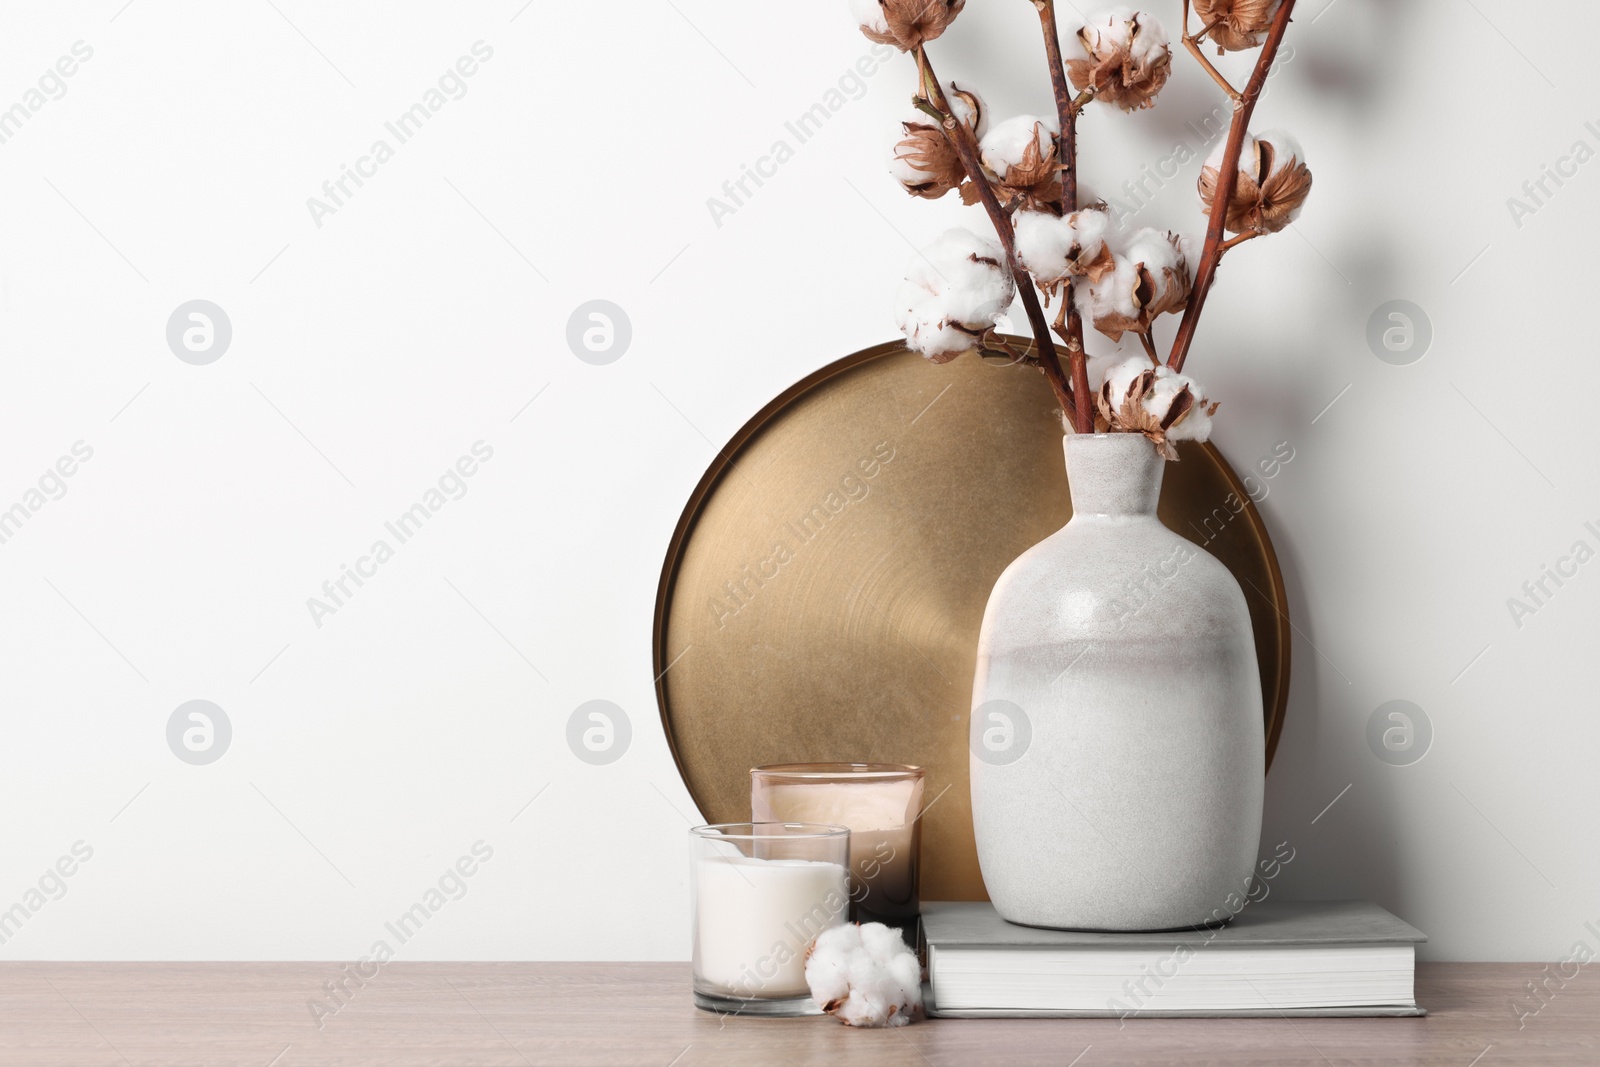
(1117, 743)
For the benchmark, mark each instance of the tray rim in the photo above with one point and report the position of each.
(718, 470)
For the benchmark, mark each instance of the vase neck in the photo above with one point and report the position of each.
(1113, 474)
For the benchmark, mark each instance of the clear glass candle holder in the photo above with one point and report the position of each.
(881, 803)
(761, 892)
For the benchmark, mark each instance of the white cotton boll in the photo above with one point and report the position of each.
(1285, 149)
(1163, 391)
(924, 161)
(880, 941)
(968, 274)
(952, 292)
(1093, 227)
(969, 107)
(1004, 146)
(1121, 301)
(1121, 377)
(1154, 389)
(828, 969)
(1113, 294)
(869, 15)
(1050, 246)
(904, 171)
(1194, 426)
(980, 300)
(927, 331)
(1103, 362)
(1247, 153)
(1273, 183)
(901, 170)
(1124, 58)
(1154, 249)
(1106, 33)
(1185, 252)
(1044, 243)
(919, 314)
(1151, 40)
(865, 976)
(1116, 293)
(905, 969)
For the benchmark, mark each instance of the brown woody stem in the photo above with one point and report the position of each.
(1239, 240)
(1009, 349)
(966, 147)
(1065, 111)
(1078, 359)
(1060, 325)
(1227, 182)
(1191, 41)
(1150, 348)
(1067, 117)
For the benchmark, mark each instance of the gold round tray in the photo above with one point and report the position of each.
(823, 590)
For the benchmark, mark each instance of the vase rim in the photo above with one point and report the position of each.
(1121, 435)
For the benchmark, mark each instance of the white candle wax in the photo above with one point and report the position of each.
(755, 918)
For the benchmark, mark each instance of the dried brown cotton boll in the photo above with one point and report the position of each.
(1272, 186)
(925, 163)
(1023, 154)
(1124, 57)
(1151, 278)
(1236, 24)
(1156, 401)
(906, 24)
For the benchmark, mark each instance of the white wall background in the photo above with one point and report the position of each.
(429, 312)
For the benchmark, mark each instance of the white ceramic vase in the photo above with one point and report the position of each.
(1117, 744)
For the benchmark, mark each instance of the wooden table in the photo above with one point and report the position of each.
(619, 1014)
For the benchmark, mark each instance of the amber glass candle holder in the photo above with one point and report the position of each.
(881, 803)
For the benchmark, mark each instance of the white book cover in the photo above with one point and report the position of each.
(1273, 958)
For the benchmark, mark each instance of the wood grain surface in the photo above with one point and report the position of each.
(622, 1014)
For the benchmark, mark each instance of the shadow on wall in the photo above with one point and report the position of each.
(1328, 795)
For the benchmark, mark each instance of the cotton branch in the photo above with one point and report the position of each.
(1191, 41)
(1067, 120)
(966, 147)
(1066, 111)
(1227, 182)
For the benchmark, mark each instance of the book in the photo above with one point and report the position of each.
(1274, 958)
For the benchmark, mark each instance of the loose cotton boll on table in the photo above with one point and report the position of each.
(865, 976)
